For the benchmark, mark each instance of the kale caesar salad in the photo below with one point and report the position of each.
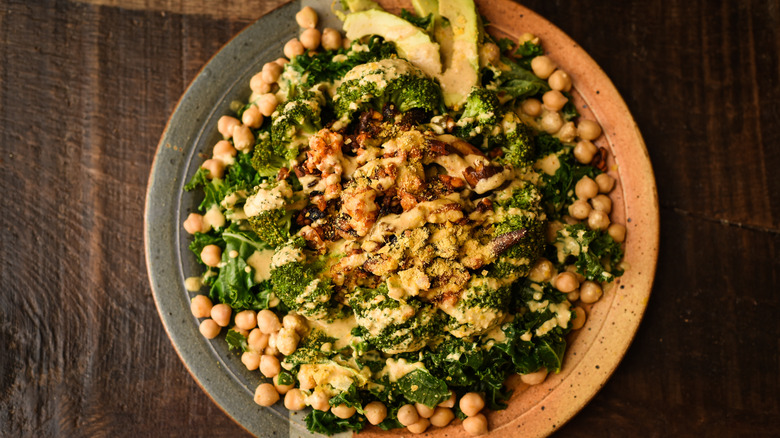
(400, 216)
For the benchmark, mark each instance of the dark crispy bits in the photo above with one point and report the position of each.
(600, 160)
(506, 241)
(473, 176)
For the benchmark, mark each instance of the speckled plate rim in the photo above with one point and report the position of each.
(535, 411)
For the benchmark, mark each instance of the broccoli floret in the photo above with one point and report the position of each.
(272, 226)
(595, 254)
(394, 326)
(518, 208)
(389, 81)
(267, 213)
(301, 287)
(480, 113)
(482, 305)
(293, 123)
(515, 140)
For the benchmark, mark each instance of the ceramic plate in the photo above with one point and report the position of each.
(536, 411)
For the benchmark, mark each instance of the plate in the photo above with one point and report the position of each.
(594, 352)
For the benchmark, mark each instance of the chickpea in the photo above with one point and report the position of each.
(534, 378)
(408, 415)
(526, 37)
(586, 188)
(551, 122)
(282, 389)
(560, 80)
(268, 322)
(541, 271)
(223, 148)
(617, 232)
(319, 400)
(307, 17)
(423, 411)
(211, 255)
(306, 381)
(554, 100)
(270, 350)
(580, 318)
(419, 426)
(209, 329)
(573, 295)
(532, 107)
(295, 400)
(225, 126)
(267, 103)
(543, 66)
(246, 319)
(216, 168)
(343, 411)
(450, 402)
(476, 425)
(201, 306)
(295, 322)
(271, 72)
(579, 209)
(220, 313)
(590, 292)
(376, 412)
(567, 133)
(282, 61)
(293, 48)
(566, 282)
(471, 403)
(602, 203)
(606, 183)
(243, 139)
(588, 130)
(257, 340)
(310, 38)
(598, 220)
(252, 117)
(266, 395)
(258, 85)
(194, 223)
(251, 360)
(489, 53)
(269, 365)
(442, 417)
(287, 341)
(584, 151)
(331, 39)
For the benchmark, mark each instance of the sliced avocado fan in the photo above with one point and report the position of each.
(453, 59)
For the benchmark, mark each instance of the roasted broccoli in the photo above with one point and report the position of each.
(515, 140)
(518, 234)
(482, 305)
(266, 210)
(480, 113)
(298, 283)
(394, 326)
(388, 81)
(293, 123)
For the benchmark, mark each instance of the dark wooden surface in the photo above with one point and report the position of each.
(86, 89)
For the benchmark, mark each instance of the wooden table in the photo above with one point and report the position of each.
(85, 91)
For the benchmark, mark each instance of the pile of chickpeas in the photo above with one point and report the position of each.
(269, 339)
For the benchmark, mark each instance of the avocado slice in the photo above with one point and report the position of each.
(461, 59)
(360, 5)
(411, 42)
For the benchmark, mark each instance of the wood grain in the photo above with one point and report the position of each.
(86, 88)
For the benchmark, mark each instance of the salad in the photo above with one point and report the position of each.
(400, 217)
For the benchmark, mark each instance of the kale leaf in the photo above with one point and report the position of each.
(236, 341)
(328, 424)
